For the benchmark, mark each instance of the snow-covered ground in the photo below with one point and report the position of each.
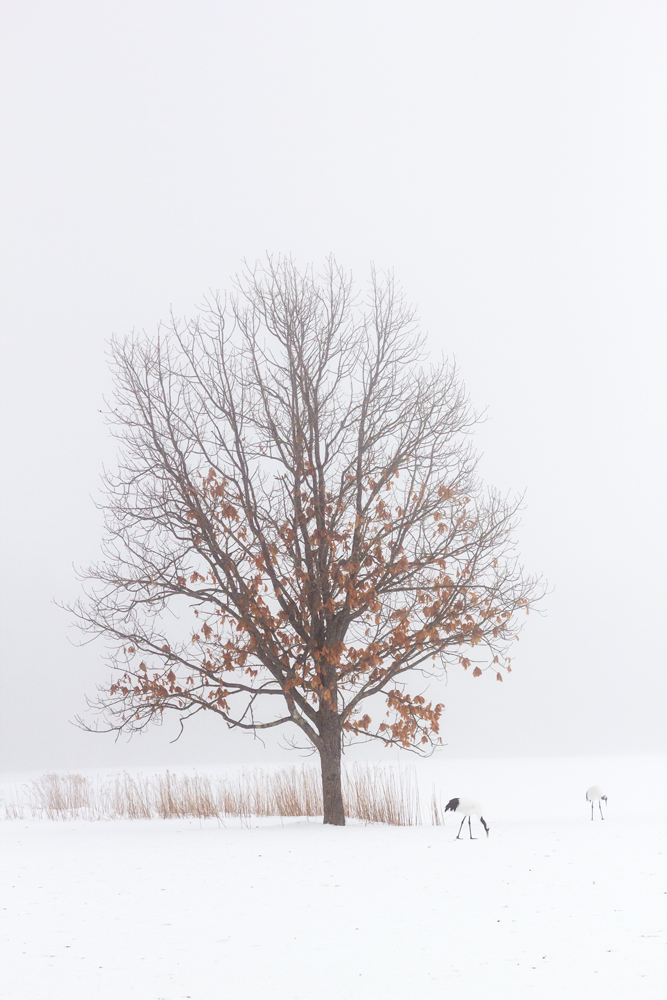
(550, 905)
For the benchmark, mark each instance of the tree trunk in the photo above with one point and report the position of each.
(332, 791)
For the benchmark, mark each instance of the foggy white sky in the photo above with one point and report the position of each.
(507, 159)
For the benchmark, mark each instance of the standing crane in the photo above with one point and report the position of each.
(593, 795)
(467, 808)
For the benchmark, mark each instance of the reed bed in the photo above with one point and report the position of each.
(382, 795)
(372, 794)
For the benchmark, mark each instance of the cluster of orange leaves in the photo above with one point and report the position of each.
(283, 614)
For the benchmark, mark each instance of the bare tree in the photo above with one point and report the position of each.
(296, 529)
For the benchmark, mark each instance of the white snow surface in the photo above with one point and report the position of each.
(550, 905)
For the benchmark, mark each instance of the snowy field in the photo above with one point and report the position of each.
(550, 905)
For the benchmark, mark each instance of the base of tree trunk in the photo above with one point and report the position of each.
(332, 790)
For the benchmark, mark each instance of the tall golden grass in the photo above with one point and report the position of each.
(372, 794)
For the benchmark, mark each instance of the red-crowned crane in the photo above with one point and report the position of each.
(595, 794)
(467, 808)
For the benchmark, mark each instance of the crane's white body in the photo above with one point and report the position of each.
(467, 808)
(593, 795)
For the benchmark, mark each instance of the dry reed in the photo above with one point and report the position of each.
(437, 812)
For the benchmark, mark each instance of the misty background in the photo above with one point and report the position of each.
(506, 159)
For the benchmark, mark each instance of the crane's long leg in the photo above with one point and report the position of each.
(458, 835)
(470, 830)
(592, 808)
(600, 807)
